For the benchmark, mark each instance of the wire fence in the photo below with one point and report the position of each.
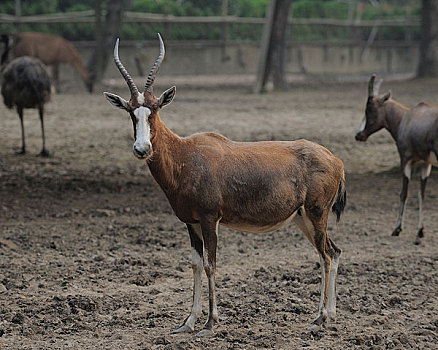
(144, 26)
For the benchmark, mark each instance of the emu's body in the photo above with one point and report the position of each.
(52, 50)
(26, 84)
(415, 132)
(257, 187)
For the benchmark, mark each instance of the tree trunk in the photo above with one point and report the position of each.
(273, 47)
(428, 64)
(278, 44)
(105, 45)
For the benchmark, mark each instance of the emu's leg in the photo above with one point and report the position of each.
(55, 77)
(197, 253)
(315, 230)
(23, 142)
(44, 152)
(331, 304)
(209, 228)
(425, 172)
(403, 194)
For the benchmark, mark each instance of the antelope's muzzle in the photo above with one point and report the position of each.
(360, 136)
(142, 152)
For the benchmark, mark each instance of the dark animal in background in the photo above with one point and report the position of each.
(52, 50)
(26, 84)
(255, 187)
(415, 131)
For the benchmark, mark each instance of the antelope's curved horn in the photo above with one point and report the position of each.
(151, 77)
(371, 86)
(123, 71)
(377, 87)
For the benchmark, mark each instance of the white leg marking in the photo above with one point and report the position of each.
(408, 170)
(425, 171)
(307, 227)
(196, 307)
(323, 282)
(331, 304)
(433, 159)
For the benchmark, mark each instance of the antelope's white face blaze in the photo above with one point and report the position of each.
(142, 146)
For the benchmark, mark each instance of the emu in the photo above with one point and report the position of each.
(25, 84)
(52, 50)
(415, 132)
(255, 187)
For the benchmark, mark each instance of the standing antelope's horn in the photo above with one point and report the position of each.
(371, 86)
(377, 87)
(151, 77)
(123, 71)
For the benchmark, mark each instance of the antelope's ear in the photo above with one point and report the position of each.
(385, 98)
(166, 97)
(117, 101)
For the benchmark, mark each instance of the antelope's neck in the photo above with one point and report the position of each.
(164, 164)
(394, 113)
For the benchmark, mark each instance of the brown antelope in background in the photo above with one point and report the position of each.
(256, 187)
(52, 50)
(415, 131)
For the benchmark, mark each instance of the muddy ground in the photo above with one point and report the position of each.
(92, 257)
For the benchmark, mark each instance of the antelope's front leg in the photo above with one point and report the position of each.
(209, 234)
(403, 196)
(197, 253)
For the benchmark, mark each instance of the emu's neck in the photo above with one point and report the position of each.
(394, 113)
(163, 164)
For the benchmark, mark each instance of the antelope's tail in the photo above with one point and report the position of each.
(341, 200)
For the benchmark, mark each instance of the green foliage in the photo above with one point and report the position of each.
(334, 9)
(248, 8)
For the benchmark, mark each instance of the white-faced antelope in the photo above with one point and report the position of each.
(415, 132)
(25, 84)
(256, 187)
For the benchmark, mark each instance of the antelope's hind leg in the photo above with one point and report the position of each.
(331, 304)
(403, 195)
(197, 265)
(425, 173)
(209, 228)
(315, 229)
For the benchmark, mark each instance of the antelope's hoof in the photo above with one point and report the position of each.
(44, 154)
(317, 324)
(205, 333)
(183, 329)
(417, 240)
(331, 315)
(314, 327)
(396, 232)
(20, 153)
(420, 233)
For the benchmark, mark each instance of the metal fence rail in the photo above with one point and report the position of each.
(137, 17)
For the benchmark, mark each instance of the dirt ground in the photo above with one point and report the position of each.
(92, 257)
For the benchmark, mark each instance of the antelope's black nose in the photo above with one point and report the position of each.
(142, 152)
(360, 137)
